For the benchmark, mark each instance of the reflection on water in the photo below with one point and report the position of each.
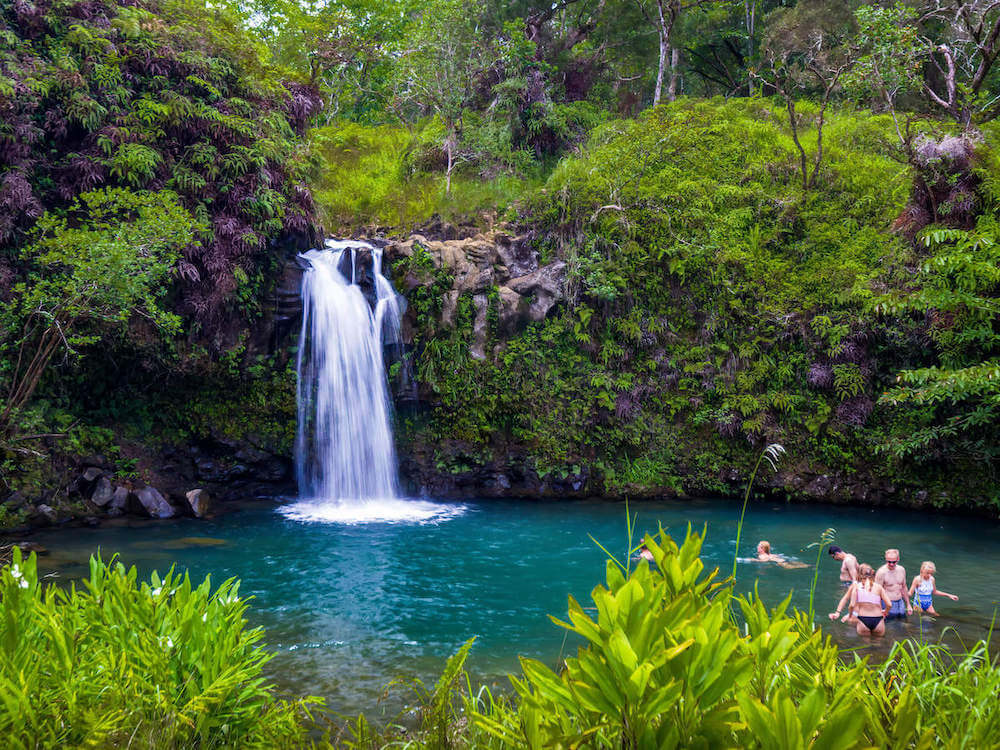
(348, 607)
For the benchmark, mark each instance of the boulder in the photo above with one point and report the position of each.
(103, 493)
(91, 473)
(513, 309)
(45, 513)
(152, 503)
(200, 503)
(543, 287)
(119, 501)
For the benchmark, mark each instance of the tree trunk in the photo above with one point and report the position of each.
(664, 50)
(675, 60)
(449, 146)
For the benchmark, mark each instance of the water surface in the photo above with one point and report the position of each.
(347, 607)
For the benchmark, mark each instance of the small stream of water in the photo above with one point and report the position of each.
(349, 606)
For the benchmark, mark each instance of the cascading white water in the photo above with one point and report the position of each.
(344, 448)
(344, 454)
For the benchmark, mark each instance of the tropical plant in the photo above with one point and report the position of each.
(117, 662)
(91, 269)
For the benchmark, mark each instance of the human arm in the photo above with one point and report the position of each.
(913, 586)
(841, 603)
(885, 600)
(909, 600)
(944, 593)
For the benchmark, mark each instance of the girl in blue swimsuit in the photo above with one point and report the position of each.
(924, 587)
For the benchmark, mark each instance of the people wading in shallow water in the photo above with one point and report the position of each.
(869, 604)
(848, 565)
(892, 577)
(925, 587)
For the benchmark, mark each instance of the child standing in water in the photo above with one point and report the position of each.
(925, 588)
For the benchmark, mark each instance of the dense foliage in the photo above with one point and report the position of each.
(715, 303)
(118, 663)
(154, 96)
(809, 259)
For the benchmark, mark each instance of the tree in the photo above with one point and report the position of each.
(807, 53)
(664, 18)
(444, 60)
(888, 62)
(964, 57)
(106, 260)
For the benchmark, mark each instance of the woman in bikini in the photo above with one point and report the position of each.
(867, 600)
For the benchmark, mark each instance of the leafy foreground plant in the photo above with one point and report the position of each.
(665, 664)
(120, 663)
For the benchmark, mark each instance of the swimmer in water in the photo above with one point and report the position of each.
(764, 554)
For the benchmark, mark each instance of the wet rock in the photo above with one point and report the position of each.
(149, 501)
(480, 326)
(513, 309)
(29, 547)
(119, 501)
(103, 493)
(819, 488)
(543, 287)
(200, 502)
(44, 513)
(449, 305)
(91, 522)
(208, 470)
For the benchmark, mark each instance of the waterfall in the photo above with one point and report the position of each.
(344, 455)
(344, 449)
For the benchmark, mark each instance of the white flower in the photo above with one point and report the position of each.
(166, 642)
(23, 584)
(15, 571)
(156, 591)
(773, 454)
(204, 617)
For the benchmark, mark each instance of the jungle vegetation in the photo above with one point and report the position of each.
(779, 220)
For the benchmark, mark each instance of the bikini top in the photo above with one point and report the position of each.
(925, 587)
(869, 597)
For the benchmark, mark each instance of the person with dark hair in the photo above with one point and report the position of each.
(848, 564)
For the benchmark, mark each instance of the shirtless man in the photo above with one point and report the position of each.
(892, 577)
(848, 564)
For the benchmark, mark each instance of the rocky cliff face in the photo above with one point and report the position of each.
(480, 264)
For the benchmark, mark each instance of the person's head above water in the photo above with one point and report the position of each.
(866, 571)
(836, 552)
(763, 546)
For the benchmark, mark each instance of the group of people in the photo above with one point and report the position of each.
(874, 596)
